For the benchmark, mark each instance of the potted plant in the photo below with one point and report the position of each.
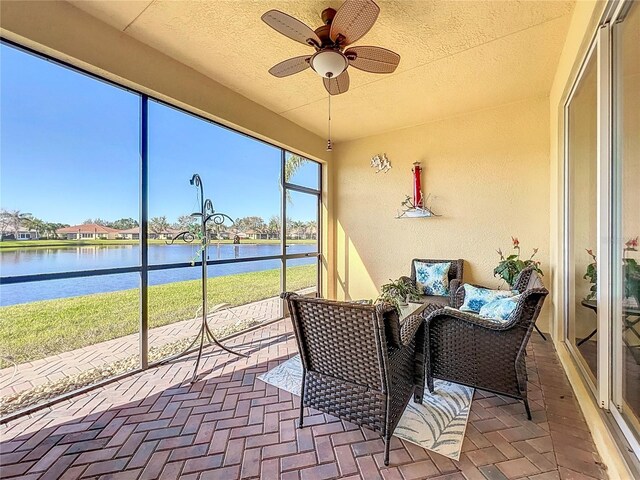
(397, 293)
(630, 274)
(510, 266)
(592, 275)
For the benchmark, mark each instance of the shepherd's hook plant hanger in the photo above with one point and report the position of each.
(205, 215)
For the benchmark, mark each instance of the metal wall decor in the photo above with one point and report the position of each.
(206, 214)
(381, 163)
(418, 206)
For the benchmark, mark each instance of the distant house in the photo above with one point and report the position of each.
(295, 233)
(88, 231)
(22, 234)
(303, 233)
(166, 234)
(256, 235)
(218, 236)
(129, 234)
(311, 233)
(134, 234)
(237, 233)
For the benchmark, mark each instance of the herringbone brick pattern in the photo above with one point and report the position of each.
(230, 425)
(55, 367)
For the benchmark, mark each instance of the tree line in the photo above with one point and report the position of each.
(11, 221)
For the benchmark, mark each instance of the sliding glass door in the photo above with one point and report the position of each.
(602, 219)
(581, 116)
(626, 218)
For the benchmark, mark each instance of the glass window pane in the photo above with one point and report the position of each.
(626, 269)
(582, 149)
(240, 175)
(88, 333)
(302, 276)
(302, 222)
(69, 150)
(240, 295)
(301, 171)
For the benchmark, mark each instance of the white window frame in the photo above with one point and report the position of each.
(607, 389)
(615, 281)
(568, 215)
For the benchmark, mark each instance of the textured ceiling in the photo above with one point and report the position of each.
(456, 56)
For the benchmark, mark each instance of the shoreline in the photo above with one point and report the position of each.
(33, 330)
(19, 244)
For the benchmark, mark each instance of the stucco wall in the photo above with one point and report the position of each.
(488, 171)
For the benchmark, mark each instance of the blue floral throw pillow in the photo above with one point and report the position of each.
(500, 309)
(433, 278)
(475, 297)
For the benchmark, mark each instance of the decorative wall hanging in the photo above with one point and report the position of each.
(381, 163)
(418, 206)
(206, 214)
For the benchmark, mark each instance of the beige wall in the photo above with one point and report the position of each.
(488, 171)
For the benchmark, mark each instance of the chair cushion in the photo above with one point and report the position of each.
(476, 297)
(433, 278)
(499, 309)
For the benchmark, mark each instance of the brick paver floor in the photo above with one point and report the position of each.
(49, 369)
(228, 425)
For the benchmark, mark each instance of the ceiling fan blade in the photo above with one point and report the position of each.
(337, 85)
(291, 27)
(290, 67)
(373, 59)
(353, 20)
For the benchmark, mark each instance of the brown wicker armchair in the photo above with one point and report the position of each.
(359, 363)
(455, 280)
(468, 349)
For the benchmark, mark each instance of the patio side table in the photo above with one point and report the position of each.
(631, 319)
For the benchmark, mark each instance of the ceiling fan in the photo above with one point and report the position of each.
(330, 60)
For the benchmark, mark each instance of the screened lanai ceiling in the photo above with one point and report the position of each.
(457, 56)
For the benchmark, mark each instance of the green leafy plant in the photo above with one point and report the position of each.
(510, 266)
(397, 292)
(631, 271)
(592, 275)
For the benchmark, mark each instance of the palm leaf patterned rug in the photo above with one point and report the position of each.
(438, 424)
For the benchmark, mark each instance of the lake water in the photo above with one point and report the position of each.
(28, 261)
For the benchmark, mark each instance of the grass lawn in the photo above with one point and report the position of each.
(13, 244)
(39, 329)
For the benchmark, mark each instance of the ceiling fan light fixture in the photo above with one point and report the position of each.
(329, 63)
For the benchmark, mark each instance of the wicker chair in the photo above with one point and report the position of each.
(468, 349)
(359, 363)
(455, 280)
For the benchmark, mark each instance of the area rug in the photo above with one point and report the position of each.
(438, 424)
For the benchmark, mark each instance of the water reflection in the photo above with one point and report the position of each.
(26, 261)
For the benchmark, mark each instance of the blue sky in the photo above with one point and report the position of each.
(69, 150)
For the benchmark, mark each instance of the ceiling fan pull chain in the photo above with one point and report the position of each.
(329, 146)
